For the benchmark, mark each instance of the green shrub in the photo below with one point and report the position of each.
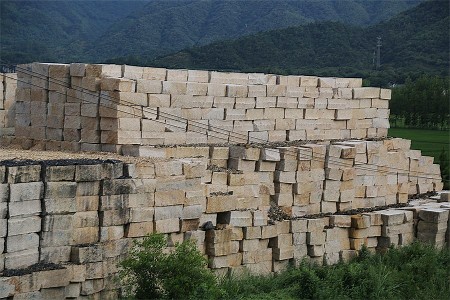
(416, 271)
(150, 273)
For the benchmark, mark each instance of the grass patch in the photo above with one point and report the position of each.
(431, 142)
(416, 271)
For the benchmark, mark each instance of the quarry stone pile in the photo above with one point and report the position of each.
(103, 107)
(81, 217)
(281, 168)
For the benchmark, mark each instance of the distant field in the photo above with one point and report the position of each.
(430, 142)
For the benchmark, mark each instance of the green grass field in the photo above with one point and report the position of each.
(430, 142)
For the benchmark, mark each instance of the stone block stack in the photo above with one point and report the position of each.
(8, 85)
(432, 226)
(103, 107)
(310, 176)
(397, 229)
(93, 210)
(365, 231)
(23, 224)
(337, 242)
(339, 174)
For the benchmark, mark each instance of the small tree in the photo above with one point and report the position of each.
(150, 273)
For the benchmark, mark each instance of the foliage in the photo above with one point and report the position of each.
(416, 271)
(414, 42)
(445, 170)
(101, 30)
(149, 272)
(423, 103)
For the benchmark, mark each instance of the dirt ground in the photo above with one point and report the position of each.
(13, 153)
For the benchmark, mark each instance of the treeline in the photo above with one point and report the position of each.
(423, 103)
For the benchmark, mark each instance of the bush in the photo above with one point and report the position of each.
(150, 273)
(416, 271)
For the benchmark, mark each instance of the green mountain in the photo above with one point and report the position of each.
(164, 27)
(69, 30)
(413, 42)
(56, 30)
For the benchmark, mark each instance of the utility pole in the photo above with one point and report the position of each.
(378, 52)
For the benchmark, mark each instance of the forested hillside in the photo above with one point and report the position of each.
(167, 26)
(93, 31)
(413, 43)
(56, 30)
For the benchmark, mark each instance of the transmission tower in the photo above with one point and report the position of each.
(378, 52)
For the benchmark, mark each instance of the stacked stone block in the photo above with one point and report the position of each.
(102, 107)
(397, 229)
(8, 85)
(310, 176)
(433, 226)
(339, 174)
(365, 230)
(91, 212)
(23, 222)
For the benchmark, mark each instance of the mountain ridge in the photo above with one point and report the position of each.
(413, 42)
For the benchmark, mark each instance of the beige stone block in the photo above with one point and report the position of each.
(177, 75)
(276, 90)
(198, 76)
(85, 235)
(257, 91)
(268, 231)
(309, 81)
(233, 90)
(216, 89)
(385, 94)
(167, 225)
(139, 229)
(366, 92)
(117, 84)
(284, 253)
(194, 88)
(223, 102)
(173, 87)
(158, 100)
(247, 103)
(154, 73)
(315, 250)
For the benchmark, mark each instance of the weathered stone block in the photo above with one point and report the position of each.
(114, 217)
(17, 226)
(90, 287)
(168, 212)
(167, 225)
(434, 215)
(24, 208)
(21, 174)
(392, 217)
(26, 191)
(56, 190)
(85, 235)
(60, 205)
(119, 186)
(110, 233)
(21, 259)
(139, 229)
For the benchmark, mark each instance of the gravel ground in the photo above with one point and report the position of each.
(16, 154)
